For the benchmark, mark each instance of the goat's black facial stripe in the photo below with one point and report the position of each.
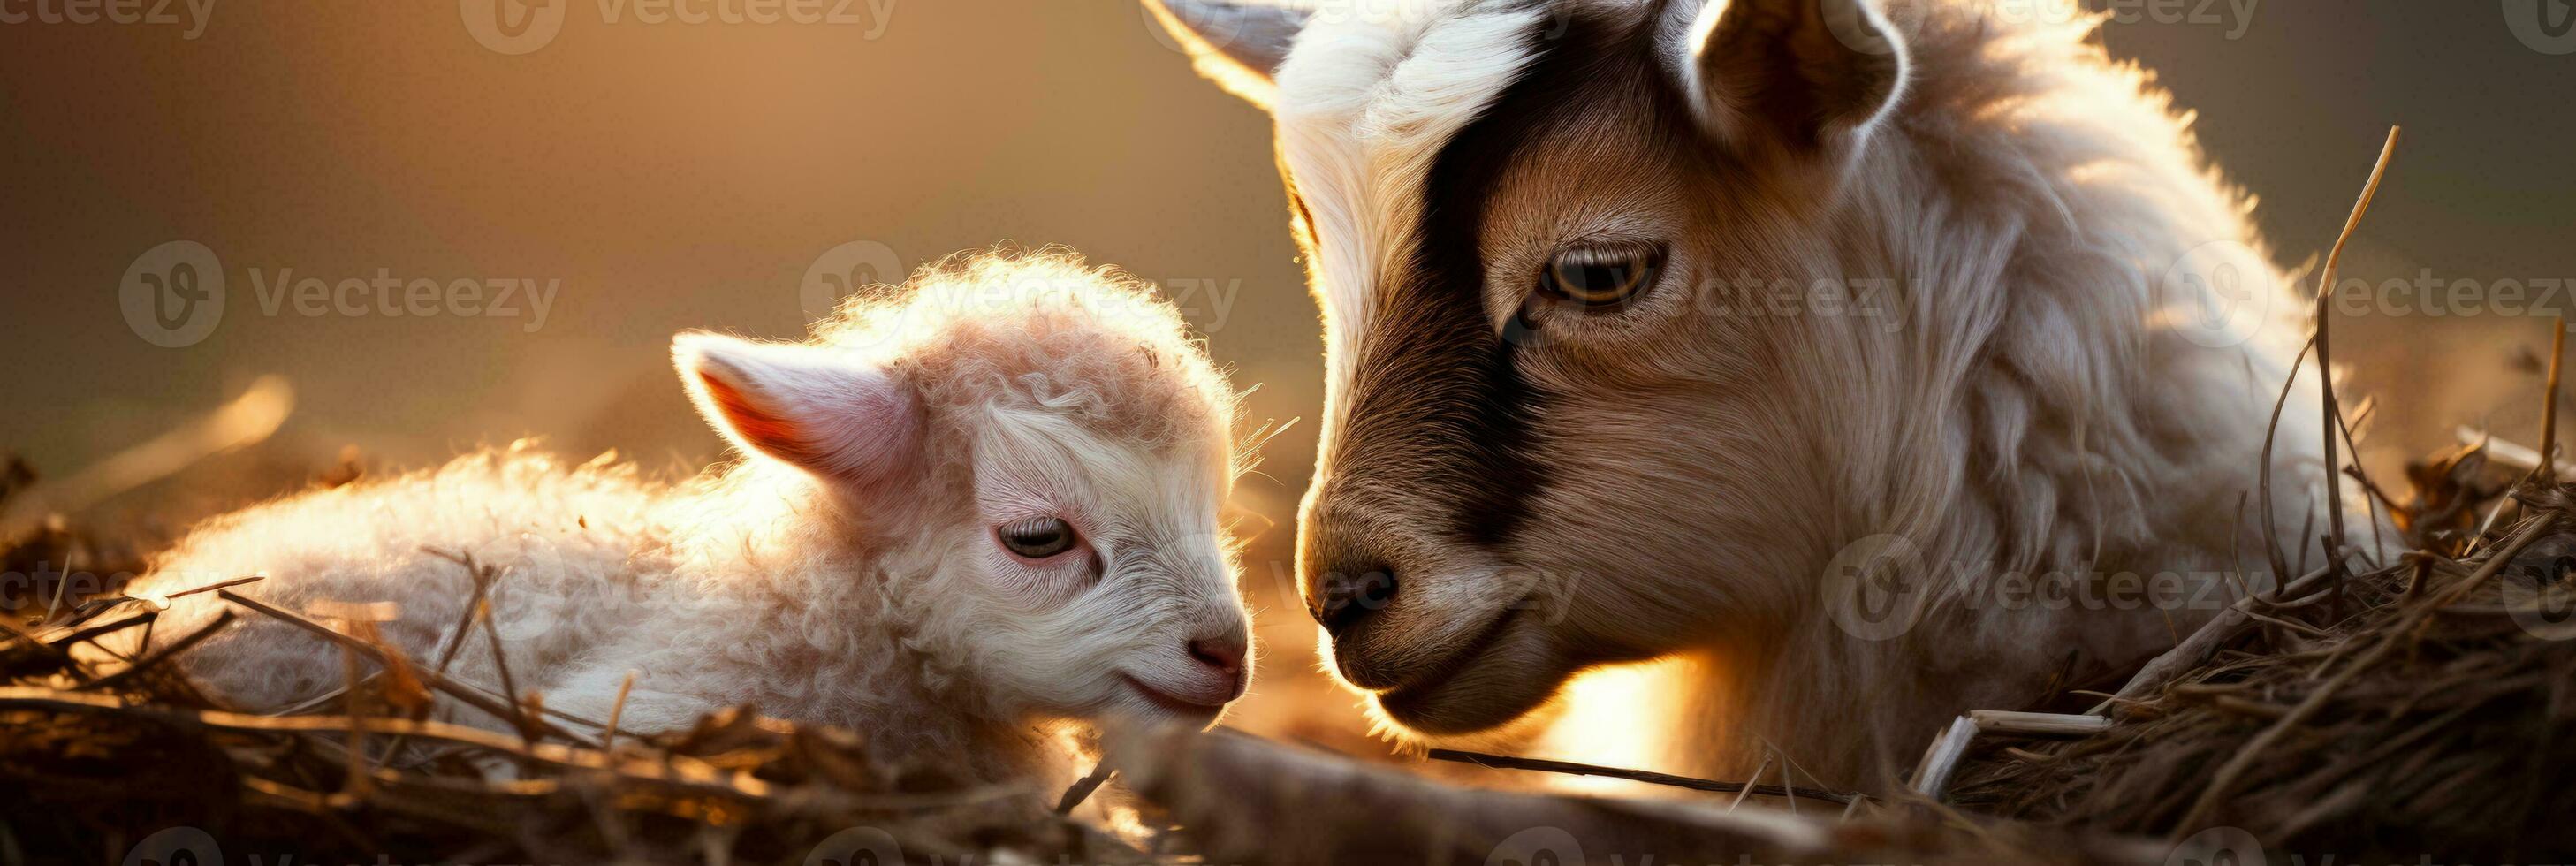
(1438, 400)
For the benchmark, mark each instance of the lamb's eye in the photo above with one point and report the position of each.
(1602, 276)
(1038, 537)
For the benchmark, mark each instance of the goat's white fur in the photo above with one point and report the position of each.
(1368, 105)
(2038, 398)
(861, 587)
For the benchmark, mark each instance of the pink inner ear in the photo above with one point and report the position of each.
(777, 436)
(861, 429)
(816, 409)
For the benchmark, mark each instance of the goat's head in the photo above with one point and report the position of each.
(1035, 458)
(1547, 443)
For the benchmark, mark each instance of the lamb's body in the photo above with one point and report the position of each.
(713, 593)
(850, 573)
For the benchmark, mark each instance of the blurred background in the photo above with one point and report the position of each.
(635, 174)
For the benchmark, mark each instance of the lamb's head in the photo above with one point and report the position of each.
(1546, 445)
(1035, 457)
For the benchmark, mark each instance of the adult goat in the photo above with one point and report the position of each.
(1890, 360)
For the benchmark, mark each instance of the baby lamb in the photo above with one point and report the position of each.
(972, 515)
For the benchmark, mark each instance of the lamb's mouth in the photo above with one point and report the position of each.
(1171, 703)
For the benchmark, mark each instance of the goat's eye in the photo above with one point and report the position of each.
(1038, 537)
(1602, 276)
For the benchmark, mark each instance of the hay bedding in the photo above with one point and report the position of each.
(2426, 724)
(2414, 714)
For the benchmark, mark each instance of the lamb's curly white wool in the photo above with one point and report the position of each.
(972, 510)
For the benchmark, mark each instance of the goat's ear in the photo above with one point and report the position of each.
(1809, 75)
(1238, 45)
(811, 407)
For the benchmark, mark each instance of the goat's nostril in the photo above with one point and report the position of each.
(1349, 597)
(1223, 654)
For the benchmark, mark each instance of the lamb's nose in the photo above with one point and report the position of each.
(1225, 656)
(1346, 596)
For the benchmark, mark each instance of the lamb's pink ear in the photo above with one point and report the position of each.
(808, 406)
(1811, 75)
